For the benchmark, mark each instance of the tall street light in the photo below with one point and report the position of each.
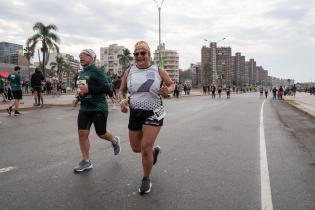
(159, 6)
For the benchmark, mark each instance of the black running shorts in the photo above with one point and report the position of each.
(38, 89)
(17, 94)
(85, 120)
(139, 117)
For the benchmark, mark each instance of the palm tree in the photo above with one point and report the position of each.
(124, 59)
(28, 53)
(59, 66)
(48, 39)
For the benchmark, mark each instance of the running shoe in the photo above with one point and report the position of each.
(145, 186)
(83, 165)
(9, 110)
(156, 151)
(116, 147)
(17, 113)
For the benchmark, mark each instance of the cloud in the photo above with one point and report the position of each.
(269, 31)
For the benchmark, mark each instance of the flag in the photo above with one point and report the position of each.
(161, 62)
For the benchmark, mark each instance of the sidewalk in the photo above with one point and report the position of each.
(49, 100)
(302, 101)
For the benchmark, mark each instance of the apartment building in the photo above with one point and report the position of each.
(171, 61)
(9, 52)
(109, 59)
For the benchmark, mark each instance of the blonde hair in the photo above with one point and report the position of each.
(142, 45)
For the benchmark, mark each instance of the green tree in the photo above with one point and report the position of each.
(28, 53)
(59, 67)
(48, 39)
(124, 59)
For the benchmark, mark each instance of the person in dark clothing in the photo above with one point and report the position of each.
(213, 91)
(266, 92)
(48, 87)
(117, 83)
(219, 91)
(36, 83)
(228, 92)
(274, 92)
(16, 84)
(92, 87)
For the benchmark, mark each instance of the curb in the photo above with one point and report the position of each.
(295, 105)
(35, 108)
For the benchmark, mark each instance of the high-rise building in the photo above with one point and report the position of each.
(238, 69)
(205, 66)
(262, 76)
(109, 59)
(195, 74)
(216, 63)
(246, 76)
(9, 52)
(224, 64)
(252, 71)
(171, 61)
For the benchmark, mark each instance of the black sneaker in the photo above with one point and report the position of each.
(156, 151)
(145, 186)
(116, 147)
(9, 110)
(17, 113)
(83, 165)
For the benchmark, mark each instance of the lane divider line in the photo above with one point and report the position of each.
(7, 169)
(266, 198)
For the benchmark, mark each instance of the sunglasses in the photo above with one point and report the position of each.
(142, 53)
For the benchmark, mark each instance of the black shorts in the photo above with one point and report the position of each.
(139, 117)
(38, 89)
(1, 91)
(17, 94)
(85, 120)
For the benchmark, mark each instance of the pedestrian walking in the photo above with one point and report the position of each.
(36, 83)
(93, 85)
(294, 90)
(274, 93)
(188, 88)
(280, 93)
(8, 91)
(2, 90)
(228, 92)
(261, 90)
(117, 83)
(219, 91)
(266, 92)
(213, 91)
(15, 81)
(144, 84)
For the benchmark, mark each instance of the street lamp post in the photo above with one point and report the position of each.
(159, 6)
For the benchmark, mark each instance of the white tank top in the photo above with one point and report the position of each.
(143, 86)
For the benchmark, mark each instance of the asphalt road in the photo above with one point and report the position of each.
(211, 159)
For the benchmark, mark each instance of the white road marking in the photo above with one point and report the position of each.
(266, 198)
(7, 169)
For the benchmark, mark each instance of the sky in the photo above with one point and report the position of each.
(278, 34)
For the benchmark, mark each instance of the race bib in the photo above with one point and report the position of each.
(159, 113)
